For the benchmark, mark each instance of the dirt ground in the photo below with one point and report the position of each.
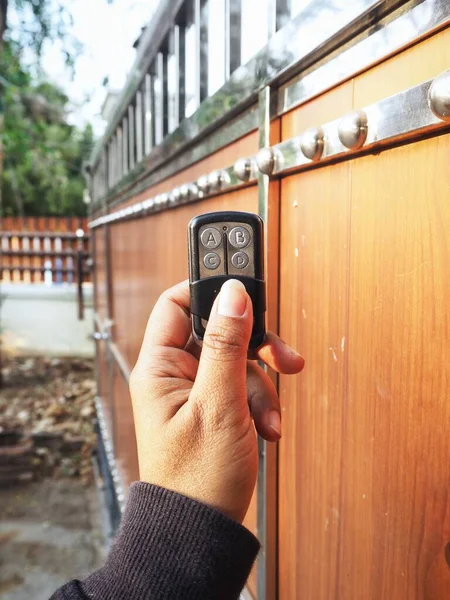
(50, 523)
(49, 533)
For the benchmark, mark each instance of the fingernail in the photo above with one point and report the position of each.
(232, 299)
(275, 422)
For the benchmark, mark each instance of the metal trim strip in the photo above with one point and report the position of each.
(118, 484)
(303, 40)
(395, 119)
(390, 36)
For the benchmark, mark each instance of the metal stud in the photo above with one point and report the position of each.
(243, 169)
(439, 96)
(215, 180)
(352, 130)
(188, 192)
(312, 143)
(202, 184)
(175, 197)
(265, 159)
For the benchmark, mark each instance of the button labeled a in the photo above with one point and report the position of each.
(211, 237)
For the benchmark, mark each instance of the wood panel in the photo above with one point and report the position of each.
(329, 106)
(423, 61)
(395, 511)
(313, 308)
(101, 291)
(124, 436)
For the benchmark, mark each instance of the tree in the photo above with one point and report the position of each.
(43, 155)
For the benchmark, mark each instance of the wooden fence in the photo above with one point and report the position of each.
(44, 250)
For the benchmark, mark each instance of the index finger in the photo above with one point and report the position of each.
(169, 324)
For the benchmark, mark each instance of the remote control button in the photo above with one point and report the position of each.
(240, 260)
(212, 260)
(239, 237)
(211, 238)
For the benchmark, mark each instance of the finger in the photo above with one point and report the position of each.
(169, 324)
(264, 403)
(222, 371)
(193, 348)
(279, 356)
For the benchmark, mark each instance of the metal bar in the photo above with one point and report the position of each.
(158, 91)
(131, 138)
(80, 297)
(308, 37)
(267, 471)
(120, 361)
(181, 61)
(233, 38)
(138, 127)
(148, 114)
(125, 140)
(203, 50)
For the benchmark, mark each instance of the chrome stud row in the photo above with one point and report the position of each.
(431, 103)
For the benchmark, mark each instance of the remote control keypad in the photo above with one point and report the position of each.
(226, 249)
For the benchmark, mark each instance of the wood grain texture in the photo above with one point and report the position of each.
(364, 464)
(313, 312)
(395, 507)
(328, 106)
(124, 436)
(406, 69)
(101, 286)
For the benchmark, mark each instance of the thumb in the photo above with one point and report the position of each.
(222, 372)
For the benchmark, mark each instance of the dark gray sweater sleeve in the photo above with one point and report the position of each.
(170, 547)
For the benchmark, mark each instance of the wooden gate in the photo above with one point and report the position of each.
(337, 134)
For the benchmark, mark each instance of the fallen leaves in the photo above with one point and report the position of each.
(47, 415)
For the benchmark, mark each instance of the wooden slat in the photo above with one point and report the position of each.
(394, 516)
(313, 307)
(124, 436)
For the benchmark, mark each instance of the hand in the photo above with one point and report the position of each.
(194, 408)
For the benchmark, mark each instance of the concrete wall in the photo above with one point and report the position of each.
(36, 319)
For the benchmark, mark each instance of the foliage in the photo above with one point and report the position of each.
(43, 155)
(40, 21)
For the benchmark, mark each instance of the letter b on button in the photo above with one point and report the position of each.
(239, 237)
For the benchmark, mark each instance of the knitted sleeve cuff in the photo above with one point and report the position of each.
(172, 547)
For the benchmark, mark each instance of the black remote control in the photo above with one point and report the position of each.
(226, 245)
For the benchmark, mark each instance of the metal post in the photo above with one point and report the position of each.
(267, 493)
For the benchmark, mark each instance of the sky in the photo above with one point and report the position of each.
(107, 32)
